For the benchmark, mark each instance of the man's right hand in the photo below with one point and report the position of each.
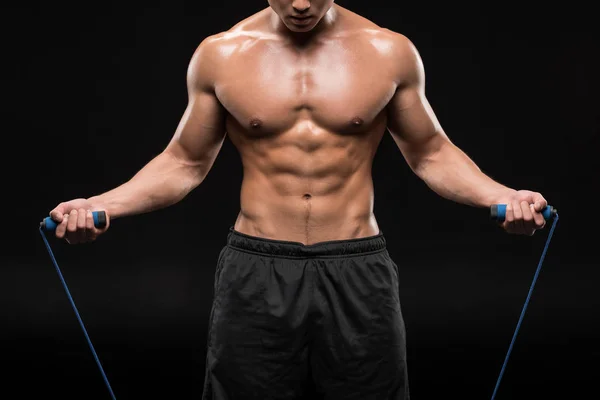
(75, 221)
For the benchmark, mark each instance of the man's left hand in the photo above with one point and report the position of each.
(523, 212)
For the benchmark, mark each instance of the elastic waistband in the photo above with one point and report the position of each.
(334, 248)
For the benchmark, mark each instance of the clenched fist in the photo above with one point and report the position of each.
(75, 222)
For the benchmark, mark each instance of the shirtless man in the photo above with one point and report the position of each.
(305, 291)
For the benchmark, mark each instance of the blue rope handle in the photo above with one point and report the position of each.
(77, 314)
(535, 277)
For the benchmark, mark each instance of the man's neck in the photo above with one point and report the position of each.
(327, 24)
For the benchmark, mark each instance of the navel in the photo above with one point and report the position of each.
(307, 196)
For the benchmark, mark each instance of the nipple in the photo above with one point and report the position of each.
(356, 121)
(255, 123)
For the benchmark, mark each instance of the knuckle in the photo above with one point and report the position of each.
(538, 221)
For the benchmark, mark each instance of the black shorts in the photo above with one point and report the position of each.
(294, 321)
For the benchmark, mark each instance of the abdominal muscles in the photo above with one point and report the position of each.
(306, 184)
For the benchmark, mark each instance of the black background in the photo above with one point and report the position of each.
(95, 90)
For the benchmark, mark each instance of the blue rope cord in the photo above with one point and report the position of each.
(77, 314)
(535, 277)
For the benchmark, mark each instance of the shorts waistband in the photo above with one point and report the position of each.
(333, 248)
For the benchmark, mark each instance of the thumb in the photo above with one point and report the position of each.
(539, 203)
(57, 213)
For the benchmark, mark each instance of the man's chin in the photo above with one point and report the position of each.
(300, 28)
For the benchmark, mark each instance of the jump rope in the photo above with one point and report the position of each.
(497, 213)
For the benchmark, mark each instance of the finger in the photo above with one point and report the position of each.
(509, 218)
(107, 224)
(528, 222)
(538, 218)
(517, 218)
(539, 202)
(61, 228)
(72, 227)
(57, 213)
(90, 230)
(81, 225)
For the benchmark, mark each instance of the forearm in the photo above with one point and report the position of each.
(164, 181)
(449, 172)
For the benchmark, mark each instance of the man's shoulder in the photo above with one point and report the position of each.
(213, 53)
(383, 39)
(386, 42)
(227, 43)
(392, 49)
(395, 50)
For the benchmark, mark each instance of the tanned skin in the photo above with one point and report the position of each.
(306, 102)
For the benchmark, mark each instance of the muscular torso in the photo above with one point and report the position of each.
(307, 121)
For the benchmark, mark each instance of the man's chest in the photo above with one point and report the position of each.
(338, 89)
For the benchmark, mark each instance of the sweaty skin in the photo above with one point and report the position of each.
(307, 125)
(306, 114)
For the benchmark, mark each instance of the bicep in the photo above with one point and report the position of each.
(201, 131)
(413, 125)
(411, 119)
